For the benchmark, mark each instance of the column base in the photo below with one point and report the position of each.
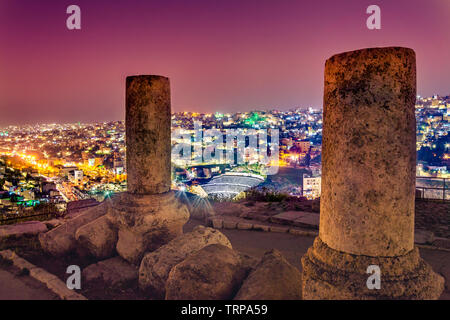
(133, 225)
(329, 274)
(146, 222)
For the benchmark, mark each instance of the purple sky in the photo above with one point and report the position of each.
(232, 55)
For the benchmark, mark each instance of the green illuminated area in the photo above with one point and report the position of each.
(254, 119)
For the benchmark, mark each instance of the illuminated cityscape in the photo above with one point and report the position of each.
(58, 163)
(230, 153)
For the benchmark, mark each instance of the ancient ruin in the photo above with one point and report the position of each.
(148, 215)
(367, 205)
(368, 182)
(144, 225)
(147, 123)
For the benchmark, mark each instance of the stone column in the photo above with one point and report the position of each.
(368, 181)
(148, 215)
(148, 122)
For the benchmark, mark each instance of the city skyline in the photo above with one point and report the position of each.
(228, 150)
(53, 164)
(269, 110)
(248, 58)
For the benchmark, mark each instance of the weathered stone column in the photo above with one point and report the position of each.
(368, 181)
(148, 121)
(369, 152)
(148, 215)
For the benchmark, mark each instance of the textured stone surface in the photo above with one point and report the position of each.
(297, 218)
(438, 222)
(60, 288)
(300, 232)
(442, 243)
(51, 281)
(146, 222)
(61, 240)
(244, 226)
(148, 134)
(274, 278)
(279, 229)
(41, 275)
(21, 263)
(368, 182)
(7, 254)
(215, 272)
(51, 224)
(331, 274)
(217, 223)
(113, 272)
(423, 237)
(286, 217)
(227, 224)
(24, 228)
(309, 220)
(98, 238)
(156, 265)
(369, 152)
(261, 227)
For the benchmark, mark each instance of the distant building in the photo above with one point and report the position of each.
(26, 194)
(118, 170)
(311, 186)
(287, 142)
(7, 185)
(95, 162)
(75, 176)
(98, 161)
(65, 171)
(303, 146)
(231, 184)
(47, 187)
(118, 164)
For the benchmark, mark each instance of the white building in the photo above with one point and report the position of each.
(311, 186)
(75, 176)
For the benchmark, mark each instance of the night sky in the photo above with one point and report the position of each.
(233, 55)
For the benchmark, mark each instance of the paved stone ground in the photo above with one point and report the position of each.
(293, 247)
(433, 216)
(253, 243)
(14, 287)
